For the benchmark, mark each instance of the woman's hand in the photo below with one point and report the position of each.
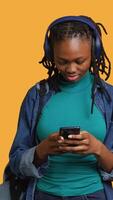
(83, 143)
(49, 146)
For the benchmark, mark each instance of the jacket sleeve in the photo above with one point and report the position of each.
(106, 176)
(22, 151)
(108, 113)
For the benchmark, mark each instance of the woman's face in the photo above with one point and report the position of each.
(72, 57)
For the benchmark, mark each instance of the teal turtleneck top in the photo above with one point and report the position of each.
(71, 174)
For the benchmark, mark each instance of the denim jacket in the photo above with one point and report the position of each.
(22, 151)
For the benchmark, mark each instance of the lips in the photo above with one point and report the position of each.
(72, 77)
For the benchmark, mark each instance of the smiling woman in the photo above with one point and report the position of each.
(81, 165)
(72, 57)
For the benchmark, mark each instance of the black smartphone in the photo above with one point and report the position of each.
(65, 131)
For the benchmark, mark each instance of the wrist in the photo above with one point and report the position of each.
(39, 156)
(99, 149)
(40, 152)
(104, 157)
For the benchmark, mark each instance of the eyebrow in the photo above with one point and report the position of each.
(64, 59)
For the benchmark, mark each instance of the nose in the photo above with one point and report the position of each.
(71, 68)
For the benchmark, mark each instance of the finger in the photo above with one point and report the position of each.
(77, 137)
(60, 139)
(75, 149)
(54, 144)
(71, 142)
(54, 136)
(84, 142)
(82, 135)
(76, 142)
(58, 150)
(80, 148)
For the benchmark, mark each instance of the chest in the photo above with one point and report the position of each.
(64, 109)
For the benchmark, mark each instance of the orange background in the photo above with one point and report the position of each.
(23, 26)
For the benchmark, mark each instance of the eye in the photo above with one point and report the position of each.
(62, 62)
(79, 62)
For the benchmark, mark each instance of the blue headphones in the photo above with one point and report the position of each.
(86, 20)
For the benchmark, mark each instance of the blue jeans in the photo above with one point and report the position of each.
(99, 195)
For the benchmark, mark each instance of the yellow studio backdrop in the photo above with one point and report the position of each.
(22, 30)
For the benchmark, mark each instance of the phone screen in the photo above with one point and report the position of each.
(65, 131)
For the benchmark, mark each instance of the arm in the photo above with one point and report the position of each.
(27, 159)
(22, 151)
(105, 157)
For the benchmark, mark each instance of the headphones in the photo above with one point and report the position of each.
(97, 39)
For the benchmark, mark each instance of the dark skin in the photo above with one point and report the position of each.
(73, 58)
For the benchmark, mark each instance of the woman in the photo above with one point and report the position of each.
(80, 166)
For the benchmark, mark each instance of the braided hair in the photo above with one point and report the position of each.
(72, 29)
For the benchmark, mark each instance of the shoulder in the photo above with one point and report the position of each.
(31, 95)
(108, 87)
(34, 90)
(31, 92)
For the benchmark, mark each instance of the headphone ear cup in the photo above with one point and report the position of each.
(98, 46)
(95, 53)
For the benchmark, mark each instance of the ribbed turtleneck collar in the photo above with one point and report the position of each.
(76, 86)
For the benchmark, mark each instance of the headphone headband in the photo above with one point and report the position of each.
(83, 19)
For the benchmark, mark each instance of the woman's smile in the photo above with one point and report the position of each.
(72, 58)
(72, 77)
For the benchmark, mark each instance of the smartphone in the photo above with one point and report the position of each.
(66, 131)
